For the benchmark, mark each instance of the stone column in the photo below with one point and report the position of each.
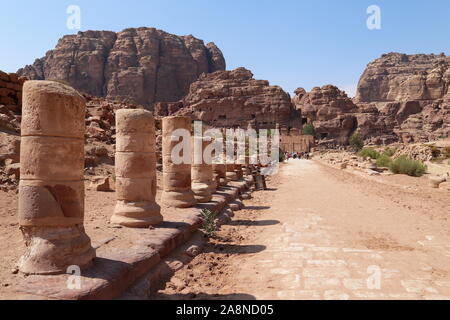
(231, 173)
(135, 170)
(220, 170)
(177, 191)
(219, 165)
(203, 185)
(51, 190)
(239, 171)
(246, 168)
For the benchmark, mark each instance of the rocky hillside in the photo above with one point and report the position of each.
(10, 116)
(142, 65)
(399, 77)
(100, 132)
(330, 110)
(234, 98)
(400, 98)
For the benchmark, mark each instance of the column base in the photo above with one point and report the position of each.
(232, 176)
(178, 199)
(51, 250)
(223, 182)
(202, 192)
(137, 214)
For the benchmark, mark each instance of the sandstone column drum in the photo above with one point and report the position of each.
(177, 191)
(51, 190)
(136, 170)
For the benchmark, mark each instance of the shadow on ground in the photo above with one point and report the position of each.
(259, 223)
(235, 249)
(256, 207)
(203, 296)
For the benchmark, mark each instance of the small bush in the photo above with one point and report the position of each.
(384, 161)
(405, 165)
(369, 153)
(309, 130)
(389, 152)
(356, 141)
(209, 223)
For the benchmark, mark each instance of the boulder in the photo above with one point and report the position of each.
(100, 184)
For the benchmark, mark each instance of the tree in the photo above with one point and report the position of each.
(356, 141)
(309, 130)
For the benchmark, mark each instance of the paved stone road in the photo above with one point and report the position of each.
(319, 248)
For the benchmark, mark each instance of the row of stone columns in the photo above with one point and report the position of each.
(51, 190)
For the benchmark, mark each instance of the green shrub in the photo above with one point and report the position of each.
(369, 153)
(209, 223)
(384, 161)
(389, 152)
(309, 130)
(356, 141)
(405, 165)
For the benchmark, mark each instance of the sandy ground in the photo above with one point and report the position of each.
(323, 233)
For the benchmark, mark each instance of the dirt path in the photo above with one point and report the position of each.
(325, 234)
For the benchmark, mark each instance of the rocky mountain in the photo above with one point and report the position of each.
(400, 77)
(142, 65)
(235, 99)
(330, 110)
(400, 97)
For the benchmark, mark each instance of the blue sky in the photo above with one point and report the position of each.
(290, 43)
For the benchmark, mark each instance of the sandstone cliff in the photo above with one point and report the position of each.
(400, 77)
(399, 98)
(235, 99)
(330, 110)
(142, 65)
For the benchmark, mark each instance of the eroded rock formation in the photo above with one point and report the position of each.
(235, 99)
(400, 97)
(10, 117)
(408, 98)
(139, 65)
(330, 110)
(401, 77)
